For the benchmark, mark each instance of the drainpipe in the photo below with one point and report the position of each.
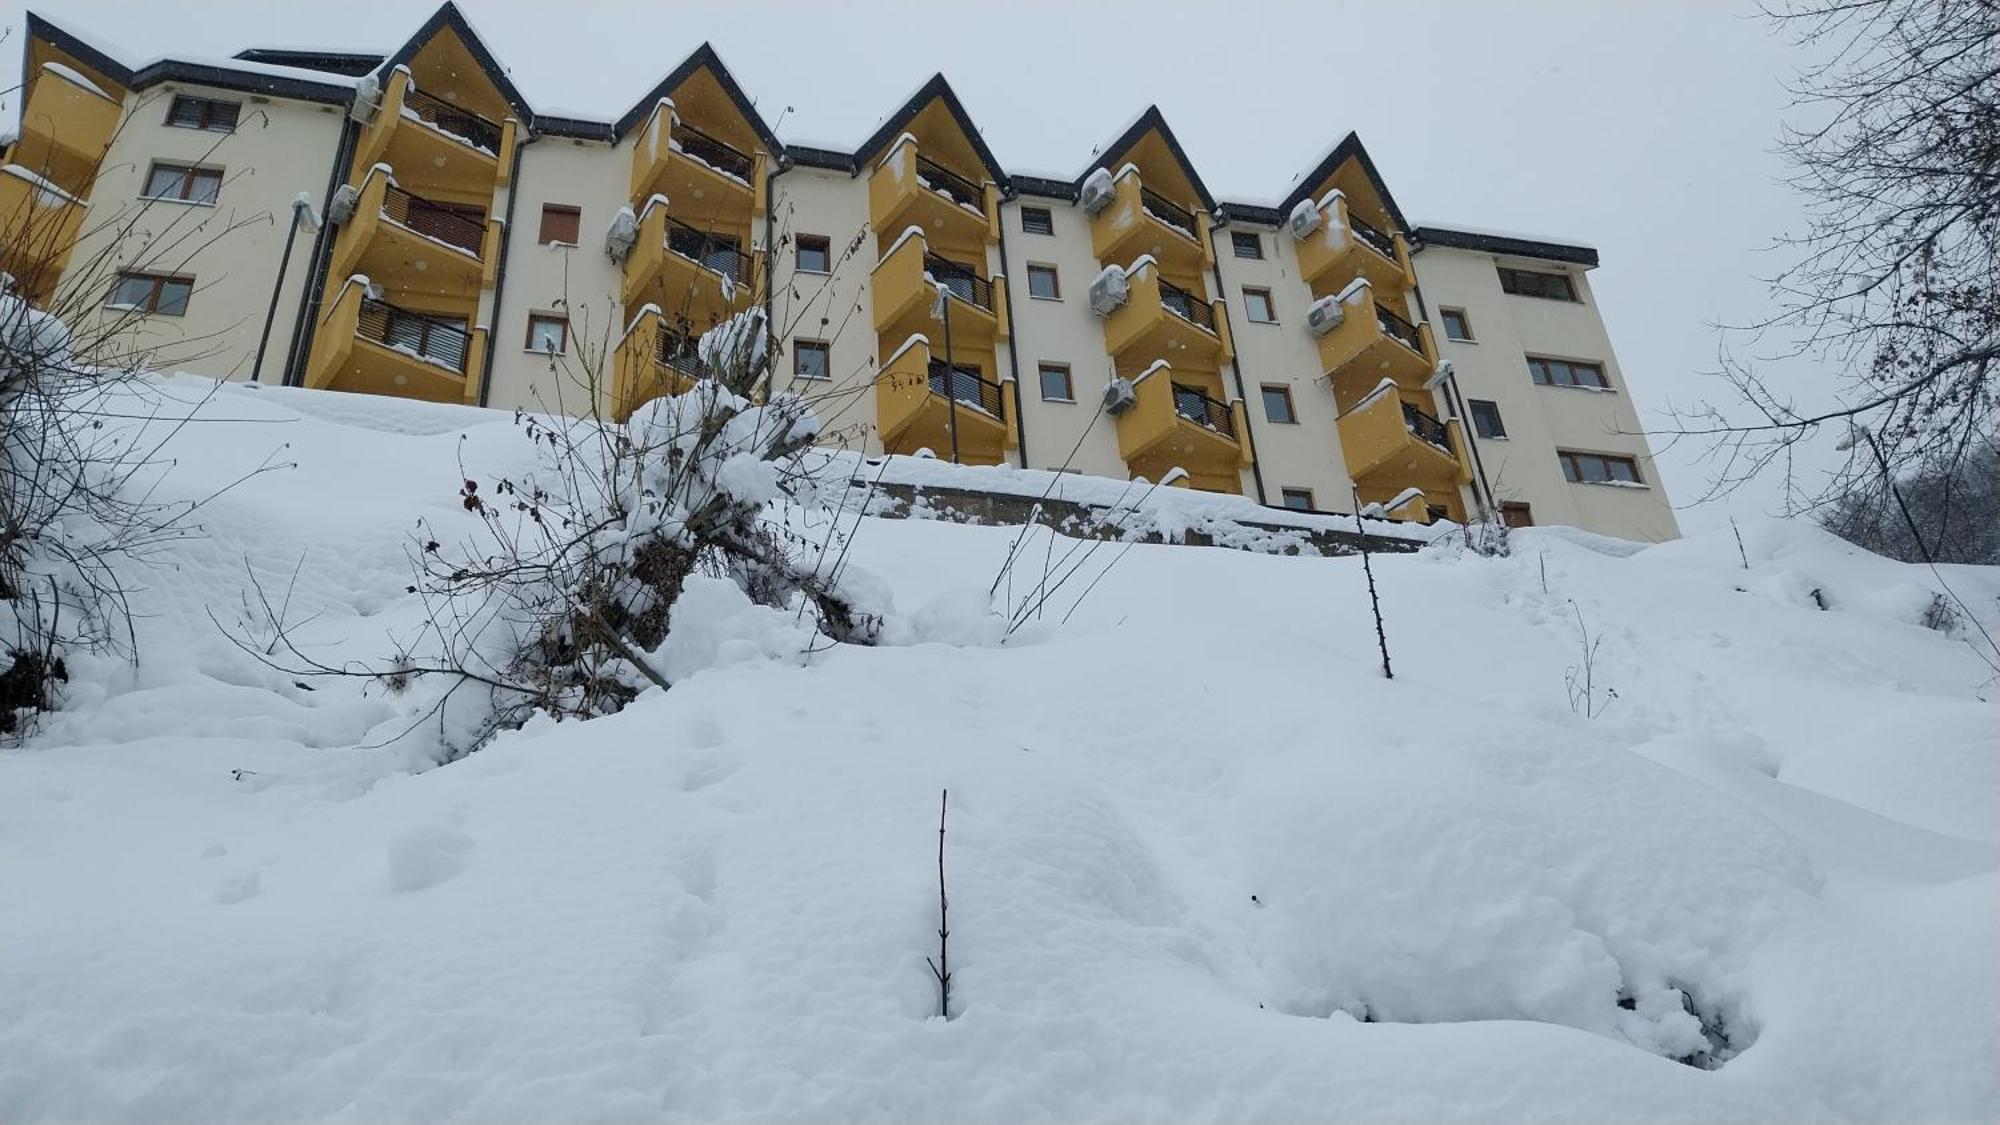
(1235, 368)
(1013, 341)
(304, 325)
(500, 268)
(780, 164)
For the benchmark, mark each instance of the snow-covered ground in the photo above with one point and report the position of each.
(1203, 860)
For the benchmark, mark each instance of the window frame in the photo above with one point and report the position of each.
(1511, 276)
(1270, 304)
(1509, 509)
(536, 320)
(818, 243)
(1284, 393)
(1055, 281)
(1287, 493)
(1472, 406)
(1256, 243)
(822, 348)
(575, 217)
(205, 118)
(1043, 369)
(151, 306)
(1548, 365)
(1572, 461)
(1048, 220)
(189, 175)
(1445, 315)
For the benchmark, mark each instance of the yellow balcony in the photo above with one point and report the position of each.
(652, 361)
(919, 404)
(1159, 320)
(1139, 222)
(407, 242)
(453, 150)
(39, 224)
(368, 345)
(1344, 247)
(905, 283)
(66, 128)
(1390, 443)
(700, 173)
(1372, 343)
(698, 278)
(907, 190)
(1176, 424)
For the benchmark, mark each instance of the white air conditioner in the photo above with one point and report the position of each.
(367, 99)
(1304, 219)
(1119, 395)
(1324, 315)
(1109, 291)
(1097, 192)
(345, 199)
(623, 232)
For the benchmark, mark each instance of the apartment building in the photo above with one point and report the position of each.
(1320, 353)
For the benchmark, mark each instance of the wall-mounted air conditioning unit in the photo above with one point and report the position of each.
(367, 99)
(1109, 291)
(1303, 220)
(1097, 192)
(341, 208)
(1324, 315)
(1119, 395)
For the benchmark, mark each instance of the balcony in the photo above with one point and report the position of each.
(905, 284)
(66, 129)
(371, 346)
(918, 401)
(1139, 221)
(908, 190)
(1372, 343)
(698, 277)
(1390, 443)
(39, 223)
(1344, 248)
(408, 242)
(453, 148)
(652, 361)
(1175, 423)
(697, 171)
(1160, 320)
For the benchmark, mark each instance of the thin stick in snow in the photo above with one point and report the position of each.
(1374, 603)
(941, 968)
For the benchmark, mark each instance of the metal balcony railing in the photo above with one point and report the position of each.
(965, 386)
(1167, 211)
(964, 284)
(951, 185)
(719, 155)
(1402, 330)
(1196, 407)
(1426, 427)
(426, 337)
(717, 252)
(1187, 306)
(1383, 244)
(454, 226)
(678, 351)
(467, 126)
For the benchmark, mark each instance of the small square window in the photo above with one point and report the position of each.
(1278, 404)
(1456, 326)
(1257, 304)
(1517, 514)
(151, 293)
(561, 223)
(1298, 499)
(1056, 386)
(1042, 283)
(812, 359)
(1037, 220)
(815, 253)
(548, 335)
(1486, 418)
(1247, 244)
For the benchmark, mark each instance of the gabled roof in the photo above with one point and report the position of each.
(1149, 121)
(1349, 148)
(935, 89)
(255, 77)
(39, 28)
(703, 56)
(449, 16)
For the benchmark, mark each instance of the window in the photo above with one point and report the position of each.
(1298, 499)
(1516, 514)
(151, 293)
(1056, 385)
(1486, 418)
(1533, 283)
(812, 359)
(1247, 243)
(1598, 468)
(1257, 303)
(1278, 404)
(1567, 373)
(548, 335)
(1456, 326)
(183, 183)
(1037, 220)
(202, 113)
(815, 254)
(560, 223)
(1042, 283)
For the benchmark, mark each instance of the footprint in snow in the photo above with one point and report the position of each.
(426, 856)
(238, 888)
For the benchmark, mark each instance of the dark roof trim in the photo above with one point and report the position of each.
(1114, 153)
(352, 64)
(449, 16)
(936, 88)
(1507, 246)
(39, 28)
(1252, 213)
(808, 156)
(1045, 188)
(1349, 147)
(575, 127)
(703, 56)
(175, 70)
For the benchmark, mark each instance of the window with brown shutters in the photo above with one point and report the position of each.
(212, 114)
(561, 223)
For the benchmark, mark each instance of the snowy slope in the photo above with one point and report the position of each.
(1204, 860)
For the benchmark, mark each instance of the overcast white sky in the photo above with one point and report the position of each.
(1644, 129)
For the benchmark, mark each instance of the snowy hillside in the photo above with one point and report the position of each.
(1204, 861)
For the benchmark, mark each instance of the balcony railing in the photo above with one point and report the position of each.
(469, 127)
(1187, 306)
(961, 280)
(951, 185)
(1196, 407)
(441, 222)
(1167, 211)
(722, 157)
(1404, 332)
(1427, 428)
(679, 352)
(1383, 243)
(716, 252)
(965, 386)
(426, 337)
